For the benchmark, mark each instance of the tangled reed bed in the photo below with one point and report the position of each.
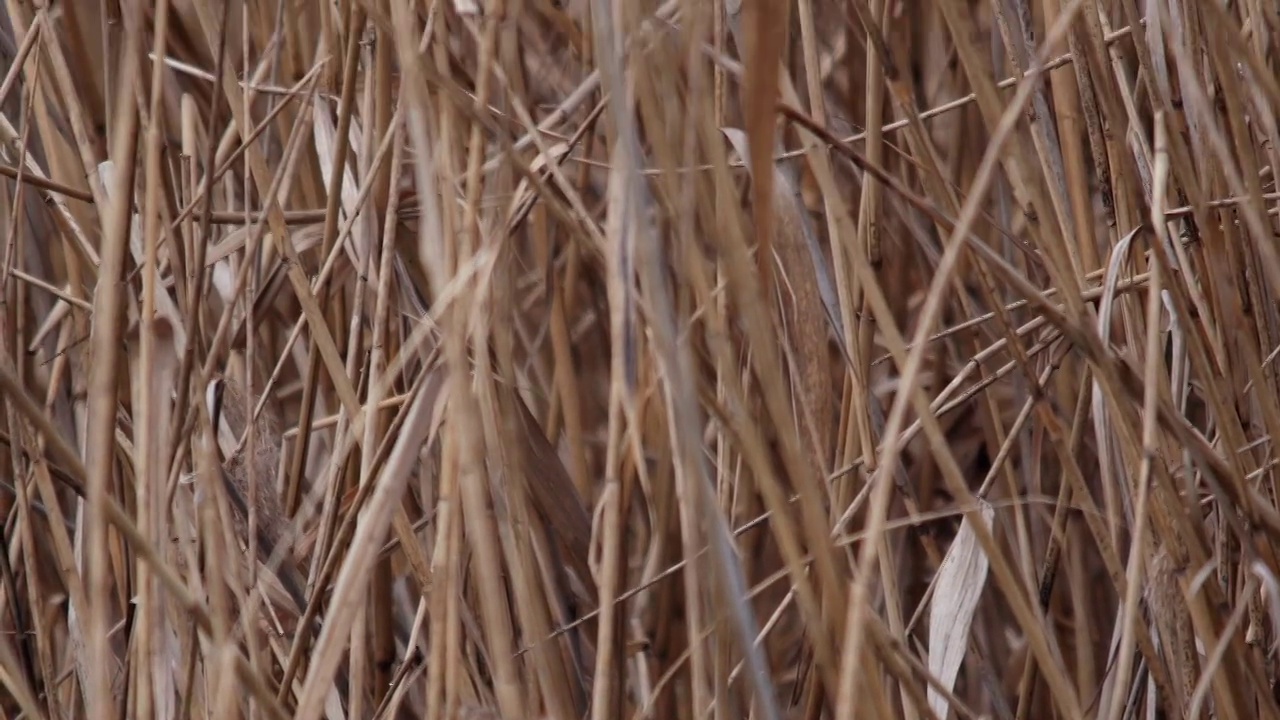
(398, 359)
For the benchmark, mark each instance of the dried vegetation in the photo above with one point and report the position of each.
(565, 359)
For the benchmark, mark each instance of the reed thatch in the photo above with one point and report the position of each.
(647, 359)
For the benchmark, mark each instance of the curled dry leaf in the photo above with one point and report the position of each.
(959, 586)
